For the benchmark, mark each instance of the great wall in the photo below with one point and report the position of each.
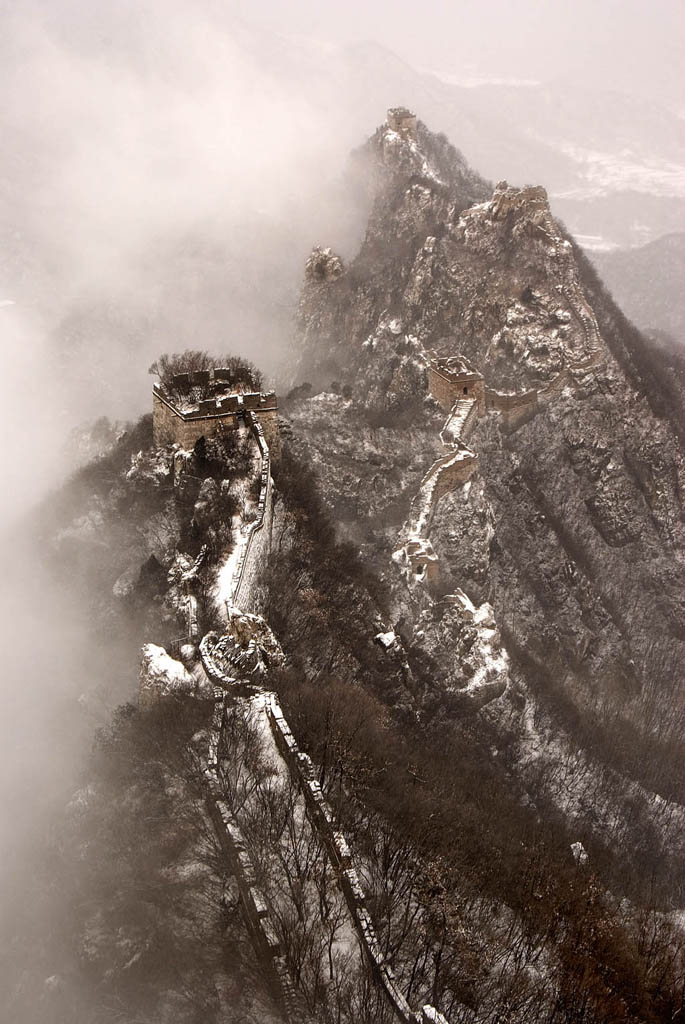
(218, 653)
(533, 199)
(456, 386)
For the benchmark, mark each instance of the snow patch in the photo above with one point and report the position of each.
(579, 854)
(386, 640)
(161, 675)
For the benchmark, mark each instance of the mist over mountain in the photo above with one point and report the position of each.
(411, 650)
(159, 174)
(647, 283)
(360, 700)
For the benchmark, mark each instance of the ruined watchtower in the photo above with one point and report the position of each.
(201, 404)
(402, 121)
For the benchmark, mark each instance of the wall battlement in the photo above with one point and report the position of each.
(254, 905)
(452, 378)
(321, 818)
(515, 409)
(183, 422)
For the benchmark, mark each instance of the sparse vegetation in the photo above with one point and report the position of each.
(244, 375)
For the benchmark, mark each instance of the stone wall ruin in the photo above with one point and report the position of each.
(225, 410)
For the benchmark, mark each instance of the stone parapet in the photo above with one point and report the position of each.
(338, 851)
(515, 409)
(172, 424)
(253, 902)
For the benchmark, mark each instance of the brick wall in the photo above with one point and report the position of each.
(515, 409)
(254, 905)
(446, 390)
(170, 427)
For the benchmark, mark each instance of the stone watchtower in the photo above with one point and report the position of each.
(402, 121)
(201, 404)
(455, 377)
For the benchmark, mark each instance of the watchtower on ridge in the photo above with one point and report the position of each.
(402, 121)
(455, 377)
(201, 404)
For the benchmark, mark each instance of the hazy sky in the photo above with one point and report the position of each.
(627, 44)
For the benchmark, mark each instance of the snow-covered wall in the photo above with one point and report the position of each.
(256, 550)
(255, 907)
(321, 817)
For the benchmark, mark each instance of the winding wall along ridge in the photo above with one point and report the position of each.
(300, 768)
(255, 908)
(301, 771)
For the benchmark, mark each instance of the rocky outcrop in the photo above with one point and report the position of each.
(571, 527)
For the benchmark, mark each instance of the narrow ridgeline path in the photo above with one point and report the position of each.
(592, 354)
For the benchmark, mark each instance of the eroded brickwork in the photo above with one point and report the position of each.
(172, 424)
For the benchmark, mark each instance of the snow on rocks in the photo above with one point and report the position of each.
(150, 467)
(163, 676)
(244, 652)
(580, 855)
(125, 583)
(323, 265)
(491, 663)
(429, 1015)
(462, 603)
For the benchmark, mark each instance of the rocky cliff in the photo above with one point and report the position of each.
(572, 527)
(556, 600)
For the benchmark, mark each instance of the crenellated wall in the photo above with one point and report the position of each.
(171, 424)
(321, 817)
(254, 905)
(446, 474)
(515, 409)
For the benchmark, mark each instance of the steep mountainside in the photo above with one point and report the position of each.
(571, 525)
(447, 268)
